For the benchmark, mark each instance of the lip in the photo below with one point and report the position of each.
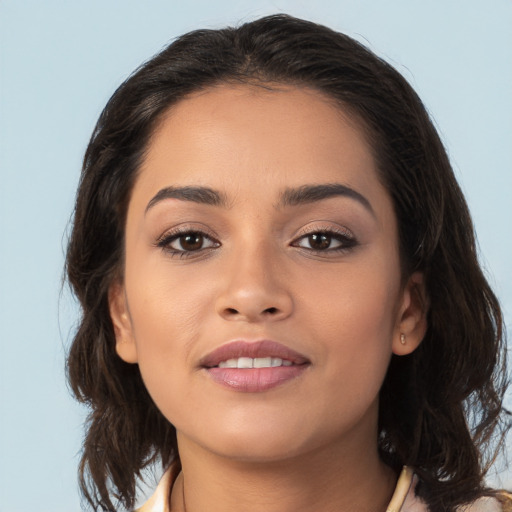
(252, 380)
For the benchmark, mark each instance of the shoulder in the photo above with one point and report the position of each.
(159, 501)
(485, 504)
(501, 503)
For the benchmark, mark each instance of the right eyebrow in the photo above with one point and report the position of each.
(201, 195)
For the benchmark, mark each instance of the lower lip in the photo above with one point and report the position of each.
(254, 380)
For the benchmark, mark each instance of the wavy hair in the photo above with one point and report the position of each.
(440, 407)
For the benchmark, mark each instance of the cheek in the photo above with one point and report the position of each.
(167, 317)
(354, 315)
(358, 299)
(165, 305)
(356, 331)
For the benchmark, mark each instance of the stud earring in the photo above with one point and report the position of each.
(402, 338)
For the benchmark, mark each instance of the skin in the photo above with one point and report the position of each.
(310, 443)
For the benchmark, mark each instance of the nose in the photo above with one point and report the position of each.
(254, 289)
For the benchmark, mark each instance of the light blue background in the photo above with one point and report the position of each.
(61, 61)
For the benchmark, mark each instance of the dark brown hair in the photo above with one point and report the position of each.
(440, 407)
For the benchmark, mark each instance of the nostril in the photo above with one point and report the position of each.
(231, 311)
(270, 311)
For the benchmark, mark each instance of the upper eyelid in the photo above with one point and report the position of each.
(334, 234)
(311, 229)
(179, 234)
(183, 229)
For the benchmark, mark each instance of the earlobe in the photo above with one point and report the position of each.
(125, 343)
(412, 318)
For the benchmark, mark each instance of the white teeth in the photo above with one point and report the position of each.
(245, 362)
(230, 363)
(257, 362)
(262, 362)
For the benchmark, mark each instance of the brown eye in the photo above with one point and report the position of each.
(319, 241)
(187, 242)
(191, 241)
(326, 241)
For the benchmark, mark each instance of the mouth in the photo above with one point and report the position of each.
(255, 362)
(254, 366)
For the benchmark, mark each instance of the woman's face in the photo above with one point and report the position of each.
(259, 235)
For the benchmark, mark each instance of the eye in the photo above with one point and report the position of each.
(186, 242)
(326, 241)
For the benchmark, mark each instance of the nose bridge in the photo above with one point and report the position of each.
(254, 288)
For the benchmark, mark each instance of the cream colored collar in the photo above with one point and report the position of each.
(401, 490)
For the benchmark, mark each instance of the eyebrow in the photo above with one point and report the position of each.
(312, 193)
(201, 195)
(290, 197)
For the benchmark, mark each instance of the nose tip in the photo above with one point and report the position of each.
(254, 300)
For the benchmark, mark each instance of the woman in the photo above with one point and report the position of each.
(281, 297)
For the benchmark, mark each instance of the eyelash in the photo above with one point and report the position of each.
(165, 241)
(345, 238)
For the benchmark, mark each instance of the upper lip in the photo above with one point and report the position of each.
(261, 348)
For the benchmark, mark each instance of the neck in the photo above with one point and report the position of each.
(331, 479)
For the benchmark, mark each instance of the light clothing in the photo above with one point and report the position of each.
(403, 500)
(159, 501)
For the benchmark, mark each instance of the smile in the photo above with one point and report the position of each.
(256, 362)
(254, 367)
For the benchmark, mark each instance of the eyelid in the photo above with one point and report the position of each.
(164, 240)
(319, 227)
(342, 234)
(186, 227)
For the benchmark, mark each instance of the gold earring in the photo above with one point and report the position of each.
(402, 338)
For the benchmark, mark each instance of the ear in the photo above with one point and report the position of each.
(125, 342)
(412, 316)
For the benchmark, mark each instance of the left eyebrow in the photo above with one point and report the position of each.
(312, 193)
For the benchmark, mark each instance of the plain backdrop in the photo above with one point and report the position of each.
(61, 60)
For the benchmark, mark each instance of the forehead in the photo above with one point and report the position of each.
(233, 136)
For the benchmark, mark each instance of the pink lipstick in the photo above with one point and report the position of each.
(253, 366)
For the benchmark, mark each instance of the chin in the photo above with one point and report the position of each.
(255, 441)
